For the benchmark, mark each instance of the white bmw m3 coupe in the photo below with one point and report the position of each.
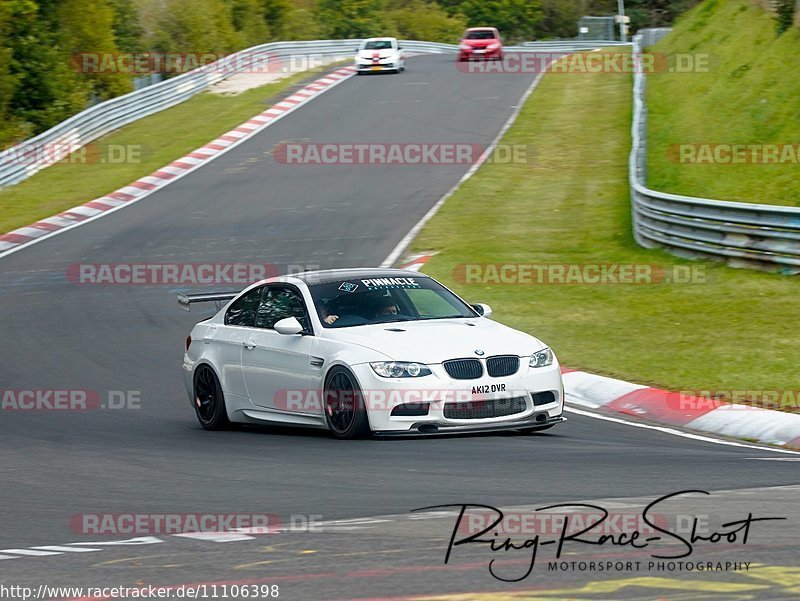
(360, 351)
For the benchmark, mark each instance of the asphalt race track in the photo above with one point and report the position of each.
(244, 207)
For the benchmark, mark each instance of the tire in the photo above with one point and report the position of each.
(209, 400)
(345, 412)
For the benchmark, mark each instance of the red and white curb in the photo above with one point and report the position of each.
(684, 411)
(670, 408)
(416, 262)
(24, 236)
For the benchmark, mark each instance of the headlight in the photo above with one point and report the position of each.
(541, 358)
(465, 46)
(400, 369)
(493, 46)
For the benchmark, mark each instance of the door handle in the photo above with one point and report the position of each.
(249, 345)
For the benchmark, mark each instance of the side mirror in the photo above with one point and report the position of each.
(482, 310)
(288, 326)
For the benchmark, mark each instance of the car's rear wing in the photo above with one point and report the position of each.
(186, 300)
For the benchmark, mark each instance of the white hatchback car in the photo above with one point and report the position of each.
(379, 54)
(355, 351)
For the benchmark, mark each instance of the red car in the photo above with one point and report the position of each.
(480, 43)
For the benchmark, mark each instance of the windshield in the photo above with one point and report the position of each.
(378, 45)
(358, 302)
(485, 34)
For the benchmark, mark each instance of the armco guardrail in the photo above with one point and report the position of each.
(743, 234)
(573, 45)
(23, 160)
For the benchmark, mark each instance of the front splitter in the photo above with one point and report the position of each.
(436, 430)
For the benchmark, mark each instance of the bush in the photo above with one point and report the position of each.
(418, 20)
(354, 19)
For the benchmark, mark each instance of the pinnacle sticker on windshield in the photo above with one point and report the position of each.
(348, 287)
(379, 283)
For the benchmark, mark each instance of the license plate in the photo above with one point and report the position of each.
(376, 68)
(480, 51)
(488, 388)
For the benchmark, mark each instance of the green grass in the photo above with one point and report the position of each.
(751, 95)
(571, 206)
(162, 138)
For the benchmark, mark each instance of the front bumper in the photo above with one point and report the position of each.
(432, 430)
(478, 55)
(371, 67)
(529, 398)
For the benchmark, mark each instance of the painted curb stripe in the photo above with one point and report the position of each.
(668, 407)
(416, 263)
(743, 421)
(594, 391)
(673, 409)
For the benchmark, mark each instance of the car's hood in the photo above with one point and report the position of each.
(371, 54)
(437, 340)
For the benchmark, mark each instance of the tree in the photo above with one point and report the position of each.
(300, 24)
(249, 23)
(46, 90)
(195, 27)
(127, 26)
(276, 14)
(560, 18)
(419, 20)
(8, 80)
(517, 20)
(354, 18)
(86, 26)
